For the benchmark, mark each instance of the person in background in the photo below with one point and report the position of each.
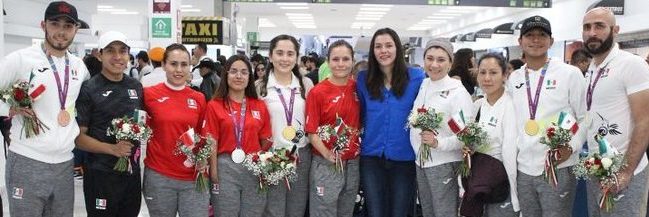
(39, 178)
(199, 54)
(169, 186)
(210, 72)
(131, 70)
(359, 66)
(438, 194)
(143, 65)
(312, 69)
(581, 59)
(493, 113)
(260, 71)
(93, 64)
(618, 84)
(463, 69)
(386, 92)
(284, 91)
(158, 75)
(236, 109)
(514, 64)
(222, 59)
(103, 98)
(333, 191)
(542, 89)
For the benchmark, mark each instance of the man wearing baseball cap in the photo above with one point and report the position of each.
(109, 190)
(39, 167)
(542, 89)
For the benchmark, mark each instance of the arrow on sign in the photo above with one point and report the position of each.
(160, 24)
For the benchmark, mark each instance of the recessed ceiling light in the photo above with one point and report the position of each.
(294, 7)
(125, 12)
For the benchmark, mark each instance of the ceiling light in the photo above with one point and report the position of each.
(369, 15)
(368, 18)
(305, 27)
(448, 14)
(292, 4)
(431, 21)
(372, 12)
(265, 23)
(104, 6)
(125, 12)
(299, 14)
(376, 9)
(111, 10)
(190, 10)
(294, 8)
(377, 5)
(186, 6)
(439, 17)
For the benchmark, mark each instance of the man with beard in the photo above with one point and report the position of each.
(39, 168)
(541, 89)
(618, 94)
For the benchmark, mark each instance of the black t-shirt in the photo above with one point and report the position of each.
(100, 101)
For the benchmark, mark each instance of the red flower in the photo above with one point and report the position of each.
(598, 161)
(136, 129)
(19, 94)
(255, 158)
(550, 132)
(422, 110)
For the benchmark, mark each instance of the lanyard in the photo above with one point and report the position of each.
(62, 89)
(592, 84)
(534, 103)
(238, 125)
(288, 110)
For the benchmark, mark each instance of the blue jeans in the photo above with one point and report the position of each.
(389, 186)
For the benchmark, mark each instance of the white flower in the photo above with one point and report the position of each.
(606, 163)
(126, 128)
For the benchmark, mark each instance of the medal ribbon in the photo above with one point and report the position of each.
(592, 84)
(533, 103)
(63, 91)
(238, 125)
(288, 110)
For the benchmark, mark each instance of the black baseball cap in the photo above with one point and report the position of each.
(536, 22)
(61, 9)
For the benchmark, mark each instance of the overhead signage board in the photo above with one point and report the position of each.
(617, 6)
(483, 3)
(161, 27)
(208, 30)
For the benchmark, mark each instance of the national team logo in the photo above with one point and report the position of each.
(100, 204)
(444, 94)
(550, 84)
(320, 190)
(191, 103)
(17, 193)
(605, 73)
(256, 115)
(132, 94)
(493, 121)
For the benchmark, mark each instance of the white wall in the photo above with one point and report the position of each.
(565, 17)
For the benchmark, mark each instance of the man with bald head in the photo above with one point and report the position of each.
(618, 94)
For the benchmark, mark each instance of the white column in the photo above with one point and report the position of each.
(159, 23)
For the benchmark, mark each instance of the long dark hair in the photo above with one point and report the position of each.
(222, 91)
(376, 78)
(296, 70)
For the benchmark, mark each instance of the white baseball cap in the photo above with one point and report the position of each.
(110, 37)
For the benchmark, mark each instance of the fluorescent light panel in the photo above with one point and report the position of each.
(376, 9)
(104, 6)
(291, 4)
(294, 8)
(186, 6)
(373, 12)
(440, 17)
(111, 10)
(125, 12)
(376, 6)
(368, 18)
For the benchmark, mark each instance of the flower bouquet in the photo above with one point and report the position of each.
(555, 136)
(272, 167)
(604, 166)
(341, 136)
(474, 138)
(19, 95)
(425, 119)
(197, 150)
(127, 129)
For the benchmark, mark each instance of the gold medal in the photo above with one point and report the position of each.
(531, 127)
(289, 133)
(63, 118)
